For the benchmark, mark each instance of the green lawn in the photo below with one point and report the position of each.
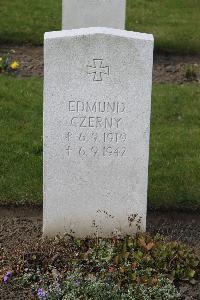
(20, 141)
(174, 175)
(175, 23)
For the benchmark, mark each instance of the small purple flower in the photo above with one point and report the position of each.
(5, 279)
(8, 273)
(6, 276)
(41, 294)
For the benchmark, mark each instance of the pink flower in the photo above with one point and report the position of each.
(111, 270)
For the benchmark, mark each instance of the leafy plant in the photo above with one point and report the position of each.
(191, 72)
(140, 268)
(77, 286)
(141, 259)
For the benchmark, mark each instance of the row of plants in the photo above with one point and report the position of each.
(140, 268)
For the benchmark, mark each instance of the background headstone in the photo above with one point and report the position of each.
(97, 101)
(93, 13)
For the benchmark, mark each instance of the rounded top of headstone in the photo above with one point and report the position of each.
(98, 30)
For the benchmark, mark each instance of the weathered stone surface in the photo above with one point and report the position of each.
(97, 102)
(93, 13)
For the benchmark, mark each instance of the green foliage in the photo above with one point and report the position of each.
(140, 268)
(97, 289)
(192, 72)
(140, 260)
(174, 23)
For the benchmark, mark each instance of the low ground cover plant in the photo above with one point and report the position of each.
(140, 268)
(7, 64)
(192, 72)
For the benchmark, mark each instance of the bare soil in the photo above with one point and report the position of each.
(167, 68)
(22, 225)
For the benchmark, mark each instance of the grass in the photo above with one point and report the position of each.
(25, 21)
(20, 141)
(174, 23)
(175, 139)
(174, 173)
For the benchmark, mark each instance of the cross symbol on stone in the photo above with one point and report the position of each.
(97, 69)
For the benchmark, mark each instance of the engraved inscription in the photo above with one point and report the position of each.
(105, 137)
(96, 107)
(68, 150)
(96, 122)
(105, 144)
(96, 128)
(98, 69)
(105, 151)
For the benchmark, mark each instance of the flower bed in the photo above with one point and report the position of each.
(142, 267)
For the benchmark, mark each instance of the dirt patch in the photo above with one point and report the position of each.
(176, 69)
(29, 57)
(25, 225)
(167, 68)
(8, 292)
(181, 226)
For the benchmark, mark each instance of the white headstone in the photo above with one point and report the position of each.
(97, 102)
(93, 13)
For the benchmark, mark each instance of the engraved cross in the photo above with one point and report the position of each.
(97, 69)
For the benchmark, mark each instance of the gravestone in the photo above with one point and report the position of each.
(97, 102)
(93, 13)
